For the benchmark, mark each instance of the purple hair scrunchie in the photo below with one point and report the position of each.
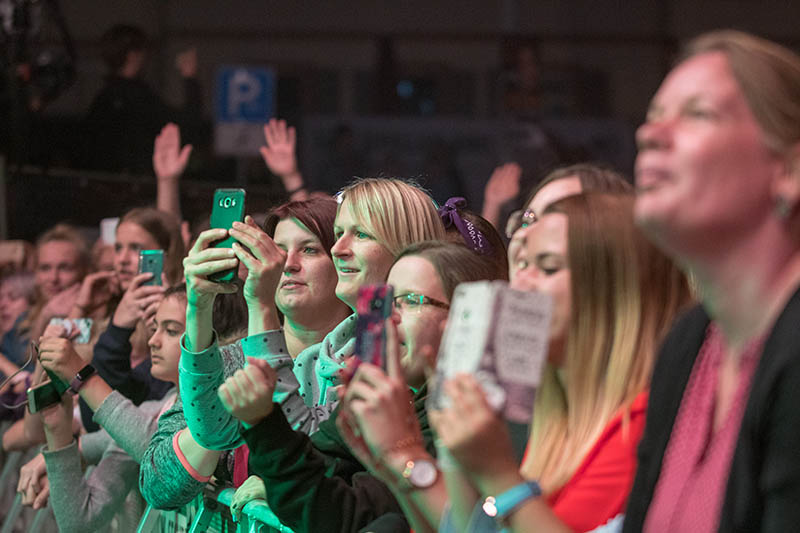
(473, 238)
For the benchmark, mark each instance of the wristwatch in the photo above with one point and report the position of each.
(80, 378)
(420, 474)
(501, 506)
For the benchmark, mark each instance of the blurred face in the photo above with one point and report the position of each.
(358, 257)
(58, 267)
(550, 193)
(309, 279)
(12, 305)
(418, 325)
(703, 168)
(542, 265)
(131, 239)
(164, 342)
(105, 258)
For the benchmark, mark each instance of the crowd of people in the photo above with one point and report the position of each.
(666, 401)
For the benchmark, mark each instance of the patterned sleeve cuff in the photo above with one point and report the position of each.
(185, 462)
(264, 345)
(203, 362)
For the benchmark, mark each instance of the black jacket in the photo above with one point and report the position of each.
(315, 483)
(763, 488)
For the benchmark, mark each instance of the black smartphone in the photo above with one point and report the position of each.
(373, 306)
(152, 261)
(42, 395)
(228, 208)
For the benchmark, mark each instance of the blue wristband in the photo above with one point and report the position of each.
(501, 506)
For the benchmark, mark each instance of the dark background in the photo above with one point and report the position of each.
(418, 86)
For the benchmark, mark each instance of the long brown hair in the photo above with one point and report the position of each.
(594, 177)
(625, 294)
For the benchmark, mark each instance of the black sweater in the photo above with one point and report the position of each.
(763, 488)
(315, 483)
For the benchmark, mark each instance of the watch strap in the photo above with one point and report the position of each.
(80, 378)
(501, 506)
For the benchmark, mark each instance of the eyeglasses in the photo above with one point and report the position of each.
(413, 302)
(520, 219)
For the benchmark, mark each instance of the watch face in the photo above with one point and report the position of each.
(423, 474)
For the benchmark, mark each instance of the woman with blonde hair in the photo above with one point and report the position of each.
(62, 261)
(718, 188)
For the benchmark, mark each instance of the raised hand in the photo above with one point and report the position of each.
(503, 185)
(186, 63)
(380, 404)
(280, 155)
(136, 301)
(473, 432)
(247, 395)
(96, 290)
(263, 259)
(169, 159)
(202, 261)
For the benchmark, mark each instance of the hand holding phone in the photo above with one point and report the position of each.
(60, 360)
(228, 208)
(137, 302)
(152, 261)
(264, 261)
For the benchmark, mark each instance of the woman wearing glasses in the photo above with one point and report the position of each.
(558, 184)
(316, 483)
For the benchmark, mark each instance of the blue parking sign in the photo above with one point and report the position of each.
(245, 94)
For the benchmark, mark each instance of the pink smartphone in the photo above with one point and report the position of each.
(373, 306)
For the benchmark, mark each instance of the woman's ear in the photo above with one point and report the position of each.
(786, 186)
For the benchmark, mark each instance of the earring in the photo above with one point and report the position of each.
(782, 208)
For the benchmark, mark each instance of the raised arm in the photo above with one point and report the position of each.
(280, 156)
(502, 187)
(169, 164)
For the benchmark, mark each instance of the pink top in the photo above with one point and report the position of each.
(696, 464)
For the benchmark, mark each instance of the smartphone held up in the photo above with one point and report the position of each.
(373, 306)
(228, 208)
(152, 261)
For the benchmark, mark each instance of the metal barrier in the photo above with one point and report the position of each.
(38, 524)
(212, 510)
